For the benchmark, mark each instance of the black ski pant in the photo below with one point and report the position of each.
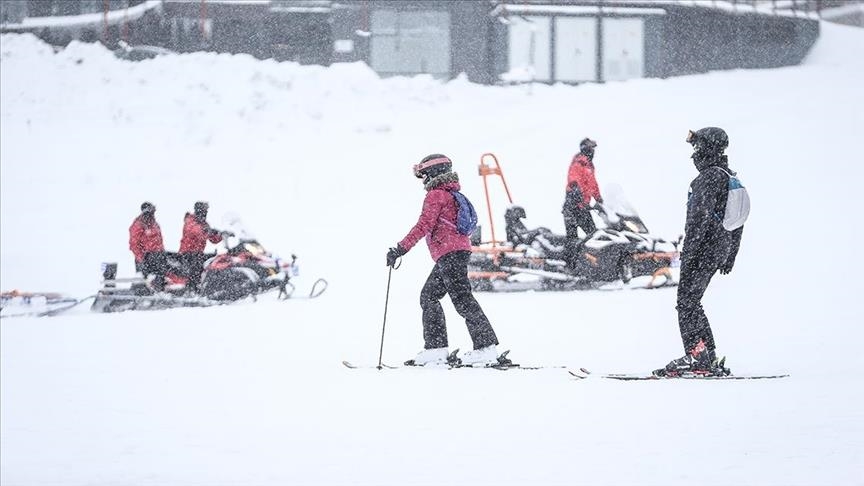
(155, 263)
(578, 217)
(193, 267)
(450, 276)
(695, 277)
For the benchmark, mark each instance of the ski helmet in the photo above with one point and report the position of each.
(586, 146)
(201, 208)
(708, 140)
(432, 165)
(148, 208)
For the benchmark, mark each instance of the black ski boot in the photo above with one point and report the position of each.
(699, 361)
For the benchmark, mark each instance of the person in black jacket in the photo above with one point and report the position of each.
(708, 248)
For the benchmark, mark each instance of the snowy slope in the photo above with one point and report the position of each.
(317, 162)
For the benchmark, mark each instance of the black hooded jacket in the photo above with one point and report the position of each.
(707, 243)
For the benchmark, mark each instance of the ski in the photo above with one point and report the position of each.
(353, 366)
(581, 373)
(648, 377)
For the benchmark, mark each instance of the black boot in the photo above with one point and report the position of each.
(698, 361)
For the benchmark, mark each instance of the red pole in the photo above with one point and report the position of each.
(487, 170)
(203, 19)
(105, 6)
(125, 32)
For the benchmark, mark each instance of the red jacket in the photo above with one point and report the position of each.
(144, 238)
(196, 234)
(438, 224)
(582, 173)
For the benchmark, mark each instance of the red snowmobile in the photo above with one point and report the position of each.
(245, 269)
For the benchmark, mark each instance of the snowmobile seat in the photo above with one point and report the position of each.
(541, 238)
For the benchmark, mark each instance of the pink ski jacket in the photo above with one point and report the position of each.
(438, 224)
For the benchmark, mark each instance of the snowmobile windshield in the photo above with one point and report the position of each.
(255, 248)
(232, 222)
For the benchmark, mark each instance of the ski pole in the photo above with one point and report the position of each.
(384, 325)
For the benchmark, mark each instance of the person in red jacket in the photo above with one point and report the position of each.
(581, 188)
(145, 241)
(450, 250)
(196, 233)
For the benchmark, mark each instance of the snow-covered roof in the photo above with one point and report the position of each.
(111, 17)
(523, 9)
(782, 8)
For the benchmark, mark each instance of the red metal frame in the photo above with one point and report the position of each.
(488, 170)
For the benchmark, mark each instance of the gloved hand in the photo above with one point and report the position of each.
(394, 253)
(726, 268)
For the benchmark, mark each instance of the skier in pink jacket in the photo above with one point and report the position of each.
(450, 250)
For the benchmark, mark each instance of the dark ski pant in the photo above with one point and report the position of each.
(450, 276)
(155, 263)
(193, 265)
(692, 321)
(578, 217)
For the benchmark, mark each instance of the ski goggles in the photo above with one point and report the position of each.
(422, 166)
(691, 137)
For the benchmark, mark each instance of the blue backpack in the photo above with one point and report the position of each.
(466, 217)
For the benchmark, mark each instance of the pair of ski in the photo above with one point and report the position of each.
(453, 362)
(504, 364)
(688, 376)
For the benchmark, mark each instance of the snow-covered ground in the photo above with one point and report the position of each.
(317, 161)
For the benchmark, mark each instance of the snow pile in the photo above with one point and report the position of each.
(317, 161)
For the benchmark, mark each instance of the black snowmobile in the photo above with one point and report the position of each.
(620, 252)
(244, 270)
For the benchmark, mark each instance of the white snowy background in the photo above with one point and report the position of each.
(317, 161)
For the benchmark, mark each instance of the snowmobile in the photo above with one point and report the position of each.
(244, 269)
(621, 253)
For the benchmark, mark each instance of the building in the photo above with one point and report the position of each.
(490, 41)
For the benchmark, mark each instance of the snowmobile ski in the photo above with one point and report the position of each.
(37, 304)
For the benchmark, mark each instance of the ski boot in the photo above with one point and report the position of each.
(699, 361)
(430, 357)
(479, 358)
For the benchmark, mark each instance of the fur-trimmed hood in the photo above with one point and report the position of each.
(437, 181)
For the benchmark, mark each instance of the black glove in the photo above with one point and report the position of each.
(726, 268)
(394, 253)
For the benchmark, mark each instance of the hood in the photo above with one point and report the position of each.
(448, 182)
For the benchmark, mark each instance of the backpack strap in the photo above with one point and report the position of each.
(441, 219)
(719, 214)
(721, 169)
